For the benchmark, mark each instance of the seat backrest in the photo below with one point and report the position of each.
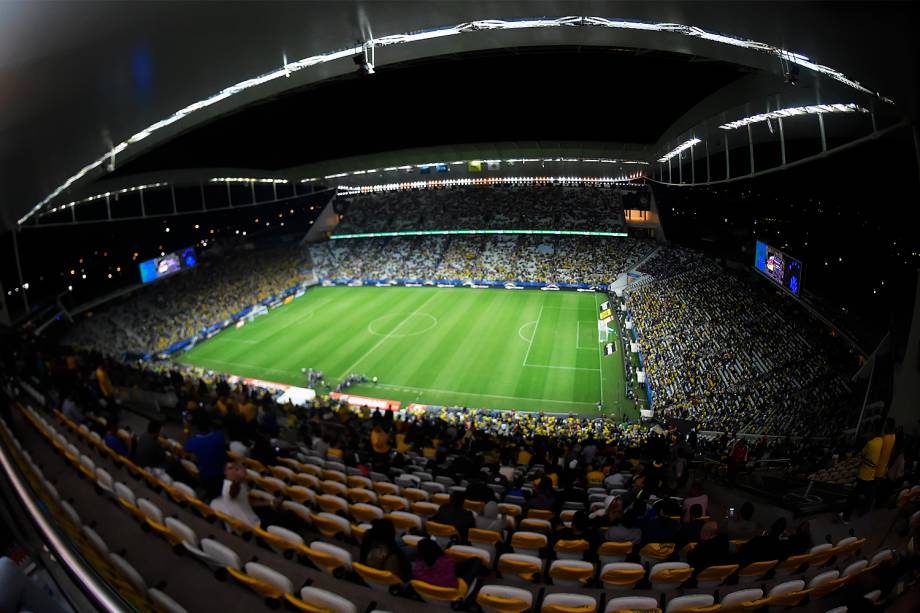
(164, 603)
(631, 603)
(177, 527)
(269, 575)
(736, 598)
(286, 534)
(123, 491)
(787, 587)
(333, 550)
(569, 603)
(150, 510)
(823, 578)
(693, 601)
(128, 572)
(327, 600)
(220, 553)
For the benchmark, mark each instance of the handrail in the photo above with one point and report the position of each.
(79, 570)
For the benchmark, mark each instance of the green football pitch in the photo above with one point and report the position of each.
(527, 350)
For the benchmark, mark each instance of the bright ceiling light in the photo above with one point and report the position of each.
(815, 109)
(677, 150)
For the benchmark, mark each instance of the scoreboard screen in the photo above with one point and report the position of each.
(168, 264)
(779, 267)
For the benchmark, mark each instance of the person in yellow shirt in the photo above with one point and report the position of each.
(865, 478)
(105, 384)
(883, 485)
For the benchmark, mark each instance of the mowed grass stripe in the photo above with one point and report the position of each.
(473, 355)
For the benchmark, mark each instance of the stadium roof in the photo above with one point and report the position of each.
(79, 78)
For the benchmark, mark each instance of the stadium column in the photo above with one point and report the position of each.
(25, 298)
(782, 136)
(820, 115)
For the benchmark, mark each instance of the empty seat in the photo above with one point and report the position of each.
(694, 602)
(742, 600)
(791, 565)
(755, 571)
(669, 575)
(263, 580)
(631, 603)
(357, 494)
(164, 603)
(317, 599)
(621, 575)
(376, 579)
(437, 594)
(614, 551)
(787, 594)
(520, 566)
(713, 576)
(281, 540)
(569, 603)
(571, 573)
(365, 512)
(656, 552)
(128, 573)
(824, 583)
(504, 599)
(461, 553)
(389, 502)
(332, 504)
(328, 558)
(405, 522)
(334, 488)
(820, 555)
(219, 554)
(528, 543)
(442, 533)
(300, 494)
(330, 525)
(570, 550)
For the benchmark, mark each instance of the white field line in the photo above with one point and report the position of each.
(351, 368)
(440, 391)
(530, 344)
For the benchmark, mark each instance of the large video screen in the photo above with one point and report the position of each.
(777, 266)
(173, 262)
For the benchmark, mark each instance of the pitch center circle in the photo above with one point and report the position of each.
(404, 325)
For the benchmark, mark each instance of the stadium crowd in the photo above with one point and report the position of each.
(176, 308)
(550, 207)
(547, 259)
(720, 351)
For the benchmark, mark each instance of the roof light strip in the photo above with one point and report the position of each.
(348, 190)
(472, 26)
(448, 232)
(677, 150)
(816, 109)
(114, 192)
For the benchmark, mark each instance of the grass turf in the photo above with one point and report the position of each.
(526, 350)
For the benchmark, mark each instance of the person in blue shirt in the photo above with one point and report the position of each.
(112, 441)
(210, 454)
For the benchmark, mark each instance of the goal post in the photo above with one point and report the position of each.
(603, 332)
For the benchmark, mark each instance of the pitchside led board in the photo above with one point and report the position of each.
(777, 266)
(171, 263)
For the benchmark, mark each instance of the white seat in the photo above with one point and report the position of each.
(786, 587)
(505, 592)
(568, 582)
(694, 601)
(104, 479)
(569, 601)
(882, 556)
(150, 510)
(326, 600)
(376, 511)
(177, 527)
(337, 552)
(128, 572)
(220, 554)
(187, 490)
(95, 540)
(297, 509)
(71, 512)
(736, 598)
(626, 603)
(855, 568)
(269, 575)
(659, 584)
(165, 603)
(468, 551)
(88, 463)
(823, 578)
(403, 517)
(840, 609)
(123, 491)
(288, 535)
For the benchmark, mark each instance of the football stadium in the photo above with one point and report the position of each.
(495, 307)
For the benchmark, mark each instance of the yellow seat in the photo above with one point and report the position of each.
(755, 570)
(329, 525)
(393, 503)
(622, 575)
(436, 593)
(413, 494)
(715, 575)
(441, 530)
(511, 510)
(385, 489)
(376, 578)
(571, 572)
(536, 525)
(525, 567)
(424, 509)
(657, 552)
(364, 512)
(483, 537)
(792, 564)
(266, 589)
(575, 548)
(528, 541)
(614, 551)
(820, 555)
(540, 514)
(476, 506)
(440, 499)
(504, 599)
(357, 494)
(323, 560)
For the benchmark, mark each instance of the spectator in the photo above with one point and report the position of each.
(580, 530)
(624, 528)
(71, 410)
(208, 447)
(744, 527)
(433, 566)
(863, 492)
(545, 498)
(665, 525)
(764, 547)
(112, 440)
(234, 498)
(453, 514)
(380, 550)
(711, 549)
(148, 452)
(799, 543)
(696, 496)
(690, 530)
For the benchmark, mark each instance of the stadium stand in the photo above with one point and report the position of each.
(541, 509)
(495, 207)
(732, 357)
